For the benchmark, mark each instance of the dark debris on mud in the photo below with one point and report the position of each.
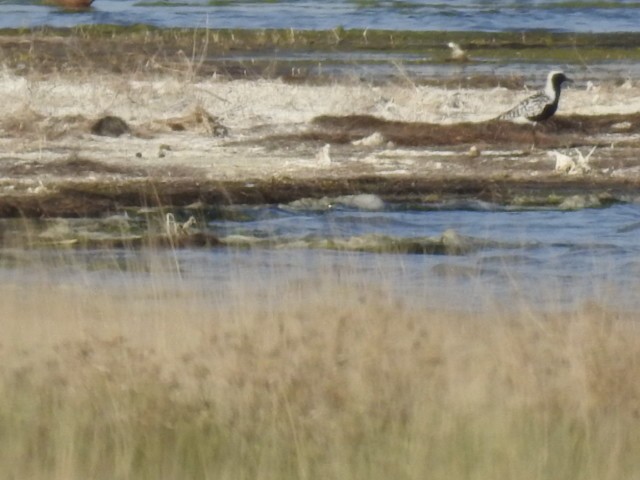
(28, 123)
(110, 126)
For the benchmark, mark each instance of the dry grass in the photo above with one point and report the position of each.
(336, 378)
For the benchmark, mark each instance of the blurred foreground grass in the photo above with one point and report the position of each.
(333, 379)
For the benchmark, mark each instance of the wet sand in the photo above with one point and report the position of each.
(195, 136)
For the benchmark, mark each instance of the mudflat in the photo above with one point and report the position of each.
(93, 122)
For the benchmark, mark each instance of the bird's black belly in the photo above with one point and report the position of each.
(547, 112)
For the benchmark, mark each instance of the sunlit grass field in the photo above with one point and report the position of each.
(334, 378)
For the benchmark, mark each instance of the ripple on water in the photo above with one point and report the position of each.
(462, 15)
(566, 255)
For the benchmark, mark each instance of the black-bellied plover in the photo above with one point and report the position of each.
(540, 106)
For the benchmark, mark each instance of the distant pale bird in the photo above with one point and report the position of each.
(457, 53)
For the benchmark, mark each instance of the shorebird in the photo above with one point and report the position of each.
(457, 53)
(542, 105)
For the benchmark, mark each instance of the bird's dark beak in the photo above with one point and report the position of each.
(568, 80)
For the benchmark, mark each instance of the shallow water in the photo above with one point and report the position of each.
(376, 66)
(547, 257)
(461, 15)
(569, 255)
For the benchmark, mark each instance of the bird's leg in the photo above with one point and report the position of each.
(533, 134)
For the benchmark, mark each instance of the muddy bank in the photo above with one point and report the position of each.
(558, 132)
(89, 129)
(84, 174)
(98, 199)
(158, 164)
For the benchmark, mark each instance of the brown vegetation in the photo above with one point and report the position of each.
(70, 4)
(337, 378)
